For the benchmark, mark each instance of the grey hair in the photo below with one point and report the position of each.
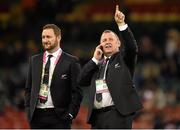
(110, 31)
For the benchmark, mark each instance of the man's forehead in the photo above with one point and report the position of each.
(49, 31)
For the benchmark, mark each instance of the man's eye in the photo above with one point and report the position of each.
(110, 39)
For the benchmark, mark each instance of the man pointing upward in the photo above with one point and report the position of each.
(113, 99)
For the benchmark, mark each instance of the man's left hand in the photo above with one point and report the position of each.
(119, 17)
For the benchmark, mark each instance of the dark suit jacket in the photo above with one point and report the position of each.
(65, 92)
(119, 77)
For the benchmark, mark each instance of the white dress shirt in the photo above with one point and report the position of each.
(55, 56)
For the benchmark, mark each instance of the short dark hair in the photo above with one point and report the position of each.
(56, 29)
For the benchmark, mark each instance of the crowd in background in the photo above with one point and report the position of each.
(157, 75)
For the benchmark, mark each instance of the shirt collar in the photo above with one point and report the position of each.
(54, 54)
(105, 57)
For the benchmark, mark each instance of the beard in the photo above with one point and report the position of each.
(49, 46)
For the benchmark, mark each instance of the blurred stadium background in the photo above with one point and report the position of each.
(156, 26)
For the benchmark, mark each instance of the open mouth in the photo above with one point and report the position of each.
(107, 46)
(47, 44)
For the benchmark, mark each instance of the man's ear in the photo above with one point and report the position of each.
(59, 38)
(119, 43)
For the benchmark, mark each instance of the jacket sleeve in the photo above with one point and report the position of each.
(86, 74)
(130, 49)
(75, 89)
(28, 90)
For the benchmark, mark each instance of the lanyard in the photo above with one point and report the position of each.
(57, 59)
(44, 62)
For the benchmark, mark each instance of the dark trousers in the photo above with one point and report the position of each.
(48, 119)
(110, 118)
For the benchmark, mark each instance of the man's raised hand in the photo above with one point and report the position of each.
(119, 17)
(98, 53)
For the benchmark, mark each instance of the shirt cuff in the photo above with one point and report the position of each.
(95, 61)
(123, 27)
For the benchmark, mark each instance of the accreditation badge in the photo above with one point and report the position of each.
(43, 93)
(101, 86)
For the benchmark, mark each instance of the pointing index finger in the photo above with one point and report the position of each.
(117, 7)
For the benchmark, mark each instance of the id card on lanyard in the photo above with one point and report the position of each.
(101, 86)
(44, 88)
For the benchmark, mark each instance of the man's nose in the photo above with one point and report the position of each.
(107, 43)
(45, 39)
